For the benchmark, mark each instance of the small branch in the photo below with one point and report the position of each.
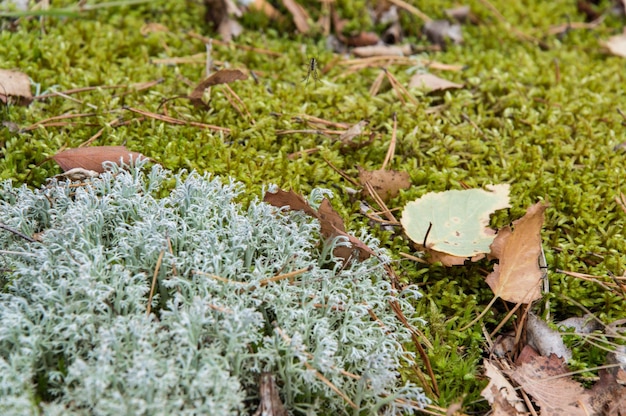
(17, 233)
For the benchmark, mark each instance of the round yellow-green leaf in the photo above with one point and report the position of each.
(459, 219)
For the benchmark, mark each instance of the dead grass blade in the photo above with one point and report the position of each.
(172, 120)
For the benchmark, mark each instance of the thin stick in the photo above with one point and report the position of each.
(392, 145)
(17, 233)
(154, 278)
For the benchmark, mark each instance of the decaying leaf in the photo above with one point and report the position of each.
(270, 404)
(218, 13)
(555, 393)
(77, 175)
(92, 158)
(386, 183)
(617, 44)
(545, 339)
(15, 88)
(455, 222)
(440, 31)
(223, 76)
(432, 83)
(331, 224)
(500, 394)
(382, 50)
(517, 278)
(300, 16)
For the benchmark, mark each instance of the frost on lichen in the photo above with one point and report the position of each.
(76, 337)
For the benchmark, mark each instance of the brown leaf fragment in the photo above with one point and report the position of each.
(223, 76)
(331, 224)
(92, 158)
(353, 132)
(500, 394)
(432, 83)
(270, 403)
(556, 394)
(608, 397)
(386, 183)
(289, 199)
(382, 50)
(517, 278)
(15, 88)
(300, 16)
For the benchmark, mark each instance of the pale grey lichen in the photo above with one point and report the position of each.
(76, 338)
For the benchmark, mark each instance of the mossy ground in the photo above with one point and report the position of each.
(548, 132)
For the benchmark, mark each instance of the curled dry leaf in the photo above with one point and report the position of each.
(331, 224)
(517, 278)
(15, 88)
(501, 394)
(432, 83)
(386, 183)
(223, 76)
(92, 158)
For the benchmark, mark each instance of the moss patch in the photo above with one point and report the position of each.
(551, 137)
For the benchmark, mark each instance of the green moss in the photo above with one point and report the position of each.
(550, 139)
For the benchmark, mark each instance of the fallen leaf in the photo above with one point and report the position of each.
(331, 224)
(289, 199)
(77, 175)
(432, 83)
(617, 44)
(440, 31)
(353, 132)
(223, 76)
(91, 158)
(15, 88)
(300, 16)
(556, 394)
(386, 183)
(545, 339)
(608, 397)
(270, 403)
(500, 393)
(517, 278)
(455, 222)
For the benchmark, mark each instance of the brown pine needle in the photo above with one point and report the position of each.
(400, 90)
(173, 120)
(230, 95)
(154, 279)
(376, 84)
(289, 275)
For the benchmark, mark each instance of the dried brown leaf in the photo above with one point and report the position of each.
(92, 158)
(386, 183)
(517, 278)
(289, 199)
(300, 15)
(555, 395)
(15, 88)
(224, 76)
(440, 31)
(500, 393)
(331, 224)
